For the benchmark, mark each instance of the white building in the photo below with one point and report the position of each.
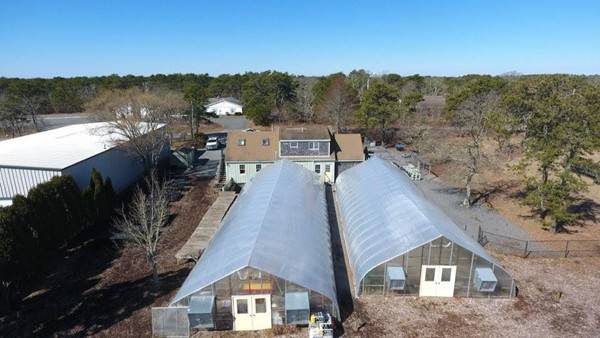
(223, 106)
(73, 150)
(314, 148)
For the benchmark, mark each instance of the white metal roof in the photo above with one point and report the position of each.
(277, 225)
(385, 216)
(58, 148)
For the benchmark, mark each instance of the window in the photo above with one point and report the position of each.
(260, 305)
(242, 169)
(396, 284)
(318, 168)
(429, 274)
(328, 168)
(242, 306)
(242, 142)
(294, 145)
(258, 167)
(446, 274)
(313, 145)
(266, 141)
(487, 285)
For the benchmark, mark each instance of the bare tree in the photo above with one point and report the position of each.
(360, 80)
(305, 98)
(140, 120)
(142, 222)
(11, 120)
(338, 103)
(472, 117)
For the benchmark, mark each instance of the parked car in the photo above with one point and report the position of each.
(400, 146)
(222, 140)
(212, 143)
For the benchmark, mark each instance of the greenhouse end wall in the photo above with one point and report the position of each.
(438, 252)
(250, 281)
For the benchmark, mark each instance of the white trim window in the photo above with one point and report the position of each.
(313, 145)
(317, 168)
(258, 167)
(242, 169)
(328, 168)
(294, 145)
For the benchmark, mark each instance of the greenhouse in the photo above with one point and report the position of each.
(400, 244)
(270, 261)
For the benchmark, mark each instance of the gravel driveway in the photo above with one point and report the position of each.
(449, 199)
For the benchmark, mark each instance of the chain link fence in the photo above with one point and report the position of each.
(539, 248)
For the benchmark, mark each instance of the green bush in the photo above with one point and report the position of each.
(100, 199)
(52, 213)
(19, 247)
(56, 211)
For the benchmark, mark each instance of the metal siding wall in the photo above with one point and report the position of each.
(123, 168)
(15, 181)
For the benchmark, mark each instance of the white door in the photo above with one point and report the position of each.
(251, 312)
(437, 281)
(242, 315)
(261, 306)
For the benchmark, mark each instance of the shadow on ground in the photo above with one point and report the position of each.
(587, 210)
(73, 300)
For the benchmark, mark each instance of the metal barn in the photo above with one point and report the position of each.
(73, 150)
(270, 261)
(399, 243)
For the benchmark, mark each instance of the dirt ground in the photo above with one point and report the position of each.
(96, 289)
(500, 185)
(557, 298)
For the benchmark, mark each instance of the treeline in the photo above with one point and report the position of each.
(33, 228)
(268, 96)
(557, 121)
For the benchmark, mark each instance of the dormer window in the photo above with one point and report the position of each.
(294, 145)
(242, 142)
(266, 142)
(313, 145)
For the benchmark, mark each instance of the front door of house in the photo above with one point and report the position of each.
(251, 312)
(437, 281)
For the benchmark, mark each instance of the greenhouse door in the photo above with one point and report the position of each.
(437, 281)
(251, 312)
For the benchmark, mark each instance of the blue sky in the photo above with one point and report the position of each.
(70, 38)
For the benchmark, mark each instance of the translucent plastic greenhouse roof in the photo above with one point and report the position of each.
(385, 216)
(277, 225)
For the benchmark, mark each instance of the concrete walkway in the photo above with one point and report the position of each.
(207, 227)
